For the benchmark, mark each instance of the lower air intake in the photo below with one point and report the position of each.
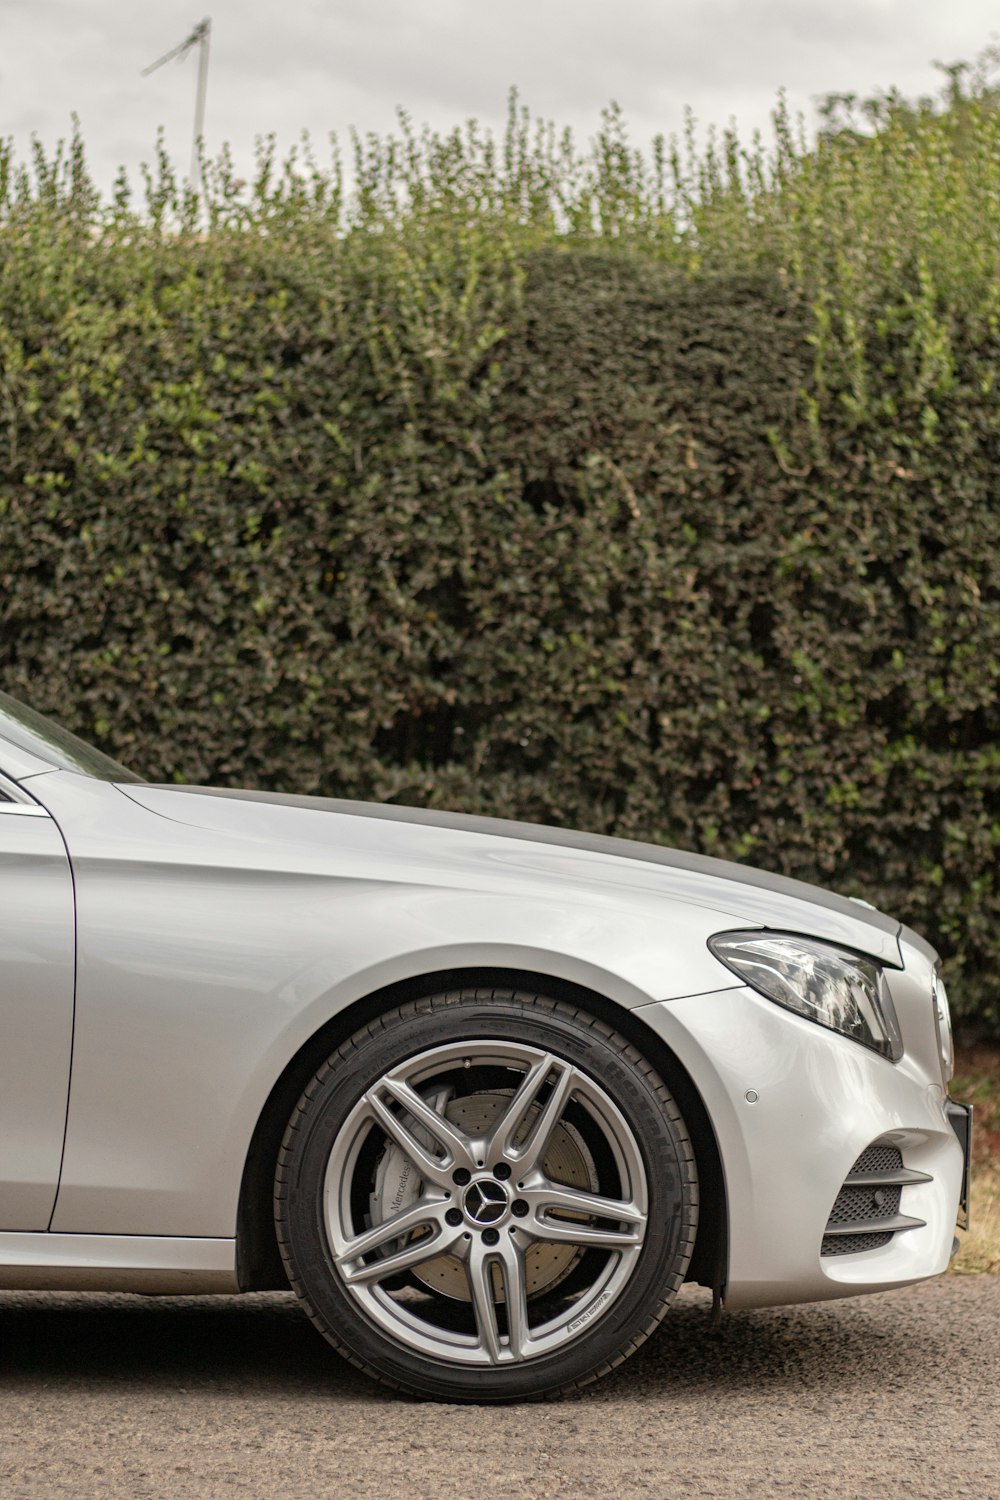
(867, 1214)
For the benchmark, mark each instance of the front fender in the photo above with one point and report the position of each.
(203, 969)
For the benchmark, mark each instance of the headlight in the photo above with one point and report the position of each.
(825, 984)
(942, 1015)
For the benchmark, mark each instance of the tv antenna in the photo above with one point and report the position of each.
(200, 37)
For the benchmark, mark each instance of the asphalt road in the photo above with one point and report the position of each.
(878, 1397)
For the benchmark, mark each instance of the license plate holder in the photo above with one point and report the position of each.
(960, 1119)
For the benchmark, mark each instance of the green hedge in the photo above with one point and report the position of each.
(528, 521)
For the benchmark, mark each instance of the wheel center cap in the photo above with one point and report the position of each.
(486, 1202)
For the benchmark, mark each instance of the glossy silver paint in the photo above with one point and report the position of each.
(216, 933)
(110, 1263)
(36, 944)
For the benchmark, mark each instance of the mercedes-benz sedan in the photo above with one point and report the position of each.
(483, 1094)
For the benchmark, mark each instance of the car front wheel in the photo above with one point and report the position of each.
(486, 1195)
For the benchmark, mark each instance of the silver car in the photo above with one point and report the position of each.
(484, 1094)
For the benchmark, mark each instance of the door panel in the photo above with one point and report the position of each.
(36, 1012)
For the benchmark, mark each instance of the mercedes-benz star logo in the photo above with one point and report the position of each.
(486, 1202)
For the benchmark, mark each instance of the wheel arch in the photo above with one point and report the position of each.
(258, 1262)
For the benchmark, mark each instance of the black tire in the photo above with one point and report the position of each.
(333, 1150)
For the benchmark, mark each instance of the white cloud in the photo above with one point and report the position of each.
(320, 66)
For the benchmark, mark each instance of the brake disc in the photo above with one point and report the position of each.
(398, 1185)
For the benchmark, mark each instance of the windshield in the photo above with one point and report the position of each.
(28, 730)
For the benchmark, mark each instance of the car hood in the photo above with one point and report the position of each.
(752, 895)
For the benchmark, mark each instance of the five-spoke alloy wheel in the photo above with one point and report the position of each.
(486, 1195)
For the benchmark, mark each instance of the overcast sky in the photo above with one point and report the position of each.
(321, 65)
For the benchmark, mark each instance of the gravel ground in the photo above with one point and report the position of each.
(878, 1397)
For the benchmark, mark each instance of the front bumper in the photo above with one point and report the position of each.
(794, 1106)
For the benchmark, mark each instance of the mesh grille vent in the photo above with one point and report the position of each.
(863, 1203)
(851, 1244)
(855, 1204)
(879, 1159)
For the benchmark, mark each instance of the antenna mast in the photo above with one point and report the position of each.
(201, 38)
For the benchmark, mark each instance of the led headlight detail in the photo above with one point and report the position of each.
(816, 980)
(942, 1017)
